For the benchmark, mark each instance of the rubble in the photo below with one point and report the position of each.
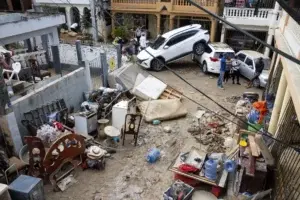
(167, 129)
(233, 99)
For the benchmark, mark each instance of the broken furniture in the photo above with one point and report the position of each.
(47, 163)
(85, 122)
(15, 165)
(4, 194)
(36, 70)
(131, 127)
(112, 134)
(198, 175)
(178, 190)
(36, 118)
(27, 188)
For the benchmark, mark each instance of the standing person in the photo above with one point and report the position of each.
(227, 70)
(143, 41)
(259, 67)
(222, 71)
(236, 71)
(138, 33)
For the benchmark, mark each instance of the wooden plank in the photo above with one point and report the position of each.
(264, 150)
(253, 146)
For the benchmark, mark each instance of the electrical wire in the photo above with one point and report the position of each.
(288, 56)
(267, 134)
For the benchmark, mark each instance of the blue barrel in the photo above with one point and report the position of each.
(211, 169)
(153, 155)
(229, 165)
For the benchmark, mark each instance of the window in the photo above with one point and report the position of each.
(241, 57)
(267, 63)
(158, 42)
(218, 54)
(249, 62)
(181, 37)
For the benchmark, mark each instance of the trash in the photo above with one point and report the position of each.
(167, 129)
(153, 155)
(229, 165)
(163, 109)
(199, 113)
(178, 190)
(243, 143)
(156, 122)
(97, 197)
(228, 143)
(194, 129)
(219, 157)
(216, 190)
(66, 182)
(47, 133)
(233, 99)
(203, 195)
(211, 169)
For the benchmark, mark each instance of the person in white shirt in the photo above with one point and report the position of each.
(143, 41)
(73, 27)
(235, 71)
(138, 33)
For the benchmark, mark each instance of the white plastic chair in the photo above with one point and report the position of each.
(16, 68)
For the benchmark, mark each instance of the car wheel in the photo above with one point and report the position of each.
(204, 68)
(157, 64)
(199, 48)
(256, 83)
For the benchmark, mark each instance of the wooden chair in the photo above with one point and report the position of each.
(36, 70)
(131, 126)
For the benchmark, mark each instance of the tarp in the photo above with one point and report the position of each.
(162, 109)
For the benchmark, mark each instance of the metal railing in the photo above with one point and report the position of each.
(247, 13)
(135, 1)
(287, 184)
(199, 2)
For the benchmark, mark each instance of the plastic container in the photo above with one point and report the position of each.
(153, 155)
(156, 122)
(229, 165)
(211, 169)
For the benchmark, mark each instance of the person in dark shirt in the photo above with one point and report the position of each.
(222, 71)
(259, 67)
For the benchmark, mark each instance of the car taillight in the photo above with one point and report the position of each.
(214, 59)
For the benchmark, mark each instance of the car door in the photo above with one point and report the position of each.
(241, 59)
(175, 47)
(249, 68)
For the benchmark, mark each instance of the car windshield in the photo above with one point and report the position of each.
(218, 54)
(158, 42)
(267, 63)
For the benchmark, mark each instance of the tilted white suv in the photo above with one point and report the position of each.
(209, 61)
(173, 45)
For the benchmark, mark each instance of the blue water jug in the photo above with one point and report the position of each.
(229, 165)
(211, 169)
(153, 155)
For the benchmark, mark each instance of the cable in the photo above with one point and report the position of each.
(268, 135)
(288, 56)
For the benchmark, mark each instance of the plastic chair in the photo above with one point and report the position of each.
(16, 68)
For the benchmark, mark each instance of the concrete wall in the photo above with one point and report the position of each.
(10, 17)
(68, 53)
(69, 87)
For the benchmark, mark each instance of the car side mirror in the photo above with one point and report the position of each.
(166, 47)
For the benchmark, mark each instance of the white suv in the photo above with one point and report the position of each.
(209, 61)
(173, 45)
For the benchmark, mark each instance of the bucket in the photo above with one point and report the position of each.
(257, 126)
(24, 154)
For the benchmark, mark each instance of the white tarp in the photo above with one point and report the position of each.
(150, 88)
(162, 109)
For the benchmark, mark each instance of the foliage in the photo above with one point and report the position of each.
(121, 31)
(86, 18)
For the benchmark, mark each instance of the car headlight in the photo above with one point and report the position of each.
(140, 61)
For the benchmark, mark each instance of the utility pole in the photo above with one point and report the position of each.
(94, 20)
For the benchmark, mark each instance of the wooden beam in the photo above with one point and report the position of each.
(264, 150)
(253, 147)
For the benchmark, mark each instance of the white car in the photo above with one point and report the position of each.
(247, 60)
(210, 59)
(173, 45)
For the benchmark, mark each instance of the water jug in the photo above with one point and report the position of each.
(229, 165)
(211, 169)
(153, 155)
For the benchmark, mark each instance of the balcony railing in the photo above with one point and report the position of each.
(179, 6)
(247, 16)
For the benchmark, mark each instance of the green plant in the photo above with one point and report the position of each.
(121, 31)
(86, 18)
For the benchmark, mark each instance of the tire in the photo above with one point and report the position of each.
(204, 68)
(199, 48)
(256, 83)
(157, 64)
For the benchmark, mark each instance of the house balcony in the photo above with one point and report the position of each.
(247, 18)
(158, 6)
(73, 2)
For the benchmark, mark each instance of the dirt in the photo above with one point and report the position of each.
(127, 174)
